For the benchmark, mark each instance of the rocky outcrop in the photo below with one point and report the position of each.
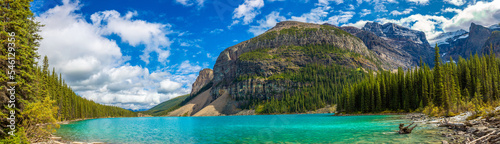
(204, 77)
(403, 41)
(472, 43)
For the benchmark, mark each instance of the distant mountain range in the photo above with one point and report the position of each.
(253, 70)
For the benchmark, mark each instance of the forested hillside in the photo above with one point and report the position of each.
(34, 98)
(167, 106)
(321, 86)
(447, 89)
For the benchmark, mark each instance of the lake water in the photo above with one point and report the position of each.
(301, 128)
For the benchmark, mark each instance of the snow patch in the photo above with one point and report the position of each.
(443, 38)
(462, 37)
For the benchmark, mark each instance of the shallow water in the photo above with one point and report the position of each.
(302, 128)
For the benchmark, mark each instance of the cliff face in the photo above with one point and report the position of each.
(242, 70)
(204, 77)
(406, 46)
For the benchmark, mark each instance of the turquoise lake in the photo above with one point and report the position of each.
(300, 128)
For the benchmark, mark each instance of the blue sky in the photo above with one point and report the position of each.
(136, 54)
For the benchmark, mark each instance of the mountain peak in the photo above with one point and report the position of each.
(397, 32)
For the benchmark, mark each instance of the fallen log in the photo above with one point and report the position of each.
(406, 129)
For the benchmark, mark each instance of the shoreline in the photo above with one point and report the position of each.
(366, 114)
(458, 129)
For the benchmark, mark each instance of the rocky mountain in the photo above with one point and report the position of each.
(476, 41)
(263, 68)
(243, 72)
(404, 45)
(275, 49)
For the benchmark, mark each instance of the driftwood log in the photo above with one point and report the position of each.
(406, 129)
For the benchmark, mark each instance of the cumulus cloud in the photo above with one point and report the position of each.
(167, 86)
(136, 32)
(482, 13)
(94, 66)
(247, 11)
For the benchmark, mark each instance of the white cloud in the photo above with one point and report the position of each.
(199, 3)
(482, 13)
(456, 2)
(406, 11)
(264, 24)
(188, 68)
(136, 32)
(365, 12)
(454, 10)
(216, 31)
(425, 23)
(316, 15)
(420, 2)
(351, 7)
(344, 17)
(327, 2)
(167, 86)
(248, 11)
(94, 66)
(359, 24)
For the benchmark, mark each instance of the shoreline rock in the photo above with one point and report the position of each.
(460, 130)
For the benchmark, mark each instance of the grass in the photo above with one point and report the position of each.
(160, 108)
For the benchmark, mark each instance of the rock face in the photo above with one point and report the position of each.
(387, 52)
(205, 76)
(276, 54)
(476, 41)
(405, 42)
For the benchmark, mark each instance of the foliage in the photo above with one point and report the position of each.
(42, 98)
(256, 55)
(448, 89)
(321, 86)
